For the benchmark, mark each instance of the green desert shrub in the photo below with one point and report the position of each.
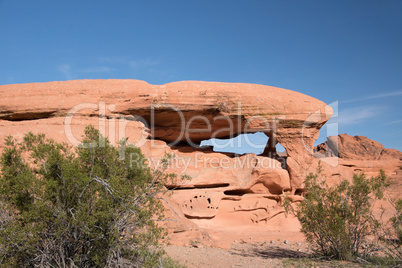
(338, 221)
(85, 207)
(390, 234)
(397, 221)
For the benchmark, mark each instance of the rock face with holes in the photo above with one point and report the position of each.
(224, 189)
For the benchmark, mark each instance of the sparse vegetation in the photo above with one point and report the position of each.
(194, 243)
(84, 207)
(339, 223)
(390, 234)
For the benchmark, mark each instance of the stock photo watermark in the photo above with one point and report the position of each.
(114, 126)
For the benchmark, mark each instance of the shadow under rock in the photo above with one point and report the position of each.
(269, 252)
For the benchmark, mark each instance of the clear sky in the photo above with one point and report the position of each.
(334, 50)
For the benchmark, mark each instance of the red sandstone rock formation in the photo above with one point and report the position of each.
(214, 109)
(360, 154)
(225, 189)
(357, 148)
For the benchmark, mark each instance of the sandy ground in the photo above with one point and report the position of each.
(240, 255)
(249, 247)
(267, 254)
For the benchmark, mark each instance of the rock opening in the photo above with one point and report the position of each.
(258, 143)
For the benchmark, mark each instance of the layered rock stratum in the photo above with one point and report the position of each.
(228, 194)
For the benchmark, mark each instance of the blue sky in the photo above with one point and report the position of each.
(345, 51)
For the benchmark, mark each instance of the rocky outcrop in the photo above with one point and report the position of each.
(357, 154)
(174, 118)
(181, 112)
(355, 147)
(225, 189)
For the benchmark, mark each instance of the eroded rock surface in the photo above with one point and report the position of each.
(357, 148)
(181, 111)
(357, 154)
(224, 189)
